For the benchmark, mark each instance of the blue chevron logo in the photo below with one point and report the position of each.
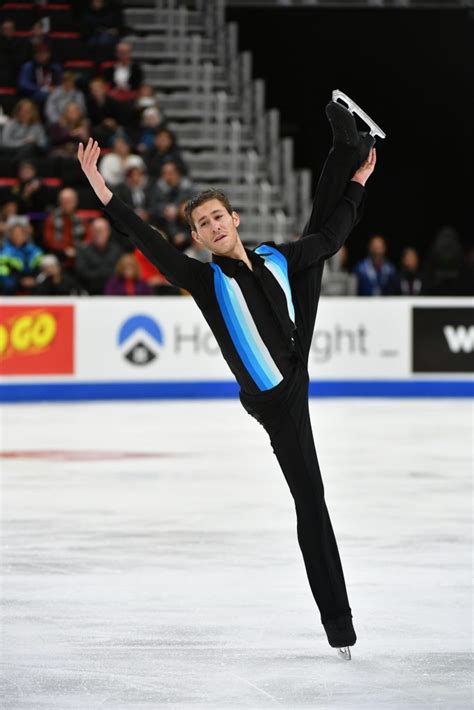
(141, 332)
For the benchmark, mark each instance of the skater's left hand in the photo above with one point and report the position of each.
(366, 169)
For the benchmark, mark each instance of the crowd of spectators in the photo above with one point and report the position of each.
(54, 238)
(446, 270)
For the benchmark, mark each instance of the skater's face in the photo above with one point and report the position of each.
(216, 228)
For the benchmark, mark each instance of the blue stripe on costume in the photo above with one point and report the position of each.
(243, 331)
(278, 265)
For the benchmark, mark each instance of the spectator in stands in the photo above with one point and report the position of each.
(70, 130)
(179, 233)
(64, 231)
(150, 274)
(376, 276)
(410, 277)
(164, 148)
(39, 77)
(197, 250)
(52, 281)
(8, 208)
(12, 52)
(38, 35)
(150, 121)
(19, 258)
(136, 190)
(102, 23)
(127, 280)
(114, 165)
(96, 261)
(147, 98)
(61, 96)
(171, 189)
(102, 111)
(31, 194)
(446, 270)
(125, 76)
(23, 134)
(336, 280)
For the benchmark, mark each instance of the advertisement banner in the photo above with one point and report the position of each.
(169, 339)
(443, 340)
(145, 347)
(359, 339)
(146, 339)
(37, 340)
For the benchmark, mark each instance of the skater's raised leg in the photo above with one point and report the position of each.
(348, 151)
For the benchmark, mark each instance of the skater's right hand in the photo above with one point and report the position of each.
(366, 169)
(88, 157)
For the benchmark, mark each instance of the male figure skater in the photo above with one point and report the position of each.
(261, 307)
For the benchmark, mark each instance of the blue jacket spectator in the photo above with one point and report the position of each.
(376, 276)
(19, 258)
(40, 76)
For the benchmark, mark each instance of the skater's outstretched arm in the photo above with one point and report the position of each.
(178, 268)
(312, 248)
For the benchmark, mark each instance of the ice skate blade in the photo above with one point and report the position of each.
(344, 653)
(375, 130)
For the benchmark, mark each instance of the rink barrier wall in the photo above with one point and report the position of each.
(86, 391)
(69, 349)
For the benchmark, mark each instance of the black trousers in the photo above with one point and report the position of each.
(284, 413)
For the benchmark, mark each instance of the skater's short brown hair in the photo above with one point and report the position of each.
(201, 198)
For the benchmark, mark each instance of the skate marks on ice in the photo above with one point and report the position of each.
(155, 582)
(241, 678)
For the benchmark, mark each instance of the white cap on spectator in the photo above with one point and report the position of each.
(134, 161)
(15, 219)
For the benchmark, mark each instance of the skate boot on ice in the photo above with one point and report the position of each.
(341, 635)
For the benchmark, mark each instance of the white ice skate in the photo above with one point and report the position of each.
(375, 130)
(344, 653)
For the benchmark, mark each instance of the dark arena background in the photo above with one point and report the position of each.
(158, 547)
(414, 68)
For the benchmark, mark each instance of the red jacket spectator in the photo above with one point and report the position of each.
(150, 273)
(64, 232)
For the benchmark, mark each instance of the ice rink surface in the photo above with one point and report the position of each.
(150, 558)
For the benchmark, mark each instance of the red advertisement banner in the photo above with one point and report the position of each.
(36, 340)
